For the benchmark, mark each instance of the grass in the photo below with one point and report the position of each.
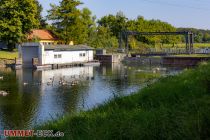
(183, 45)
(8, 54)
(148, 76)
(193, 55)
(175, 107)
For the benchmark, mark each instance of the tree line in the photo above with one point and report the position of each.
(201, 36)
(69, 23)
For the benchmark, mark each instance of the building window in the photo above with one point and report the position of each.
(82, 54)
(57, 56)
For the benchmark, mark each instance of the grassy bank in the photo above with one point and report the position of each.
(8, 54)
(183, 45)
(193, 55)
(176, 107)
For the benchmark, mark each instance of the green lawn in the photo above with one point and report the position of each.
(175, 107)
(193, 55)
(183, 45)
(8, 54)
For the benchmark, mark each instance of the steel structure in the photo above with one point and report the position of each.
(189, 38)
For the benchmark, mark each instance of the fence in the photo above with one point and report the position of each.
(168, 51)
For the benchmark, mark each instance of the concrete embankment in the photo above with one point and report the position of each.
(142, 60)
(183, 61)
(166, 60)
(110, 58)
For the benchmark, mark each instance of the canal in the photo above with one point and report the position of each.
(35, 97)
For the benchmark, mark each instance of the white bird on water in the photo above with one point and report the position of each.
(160, 69)
(25, 83)
(4, 93)
(73, 83)
(1, 77)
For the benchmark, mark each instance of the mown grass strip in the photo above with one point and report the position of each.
(8, 55)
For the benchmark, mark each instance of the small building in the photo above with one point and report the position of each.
(54, 54)
(42, 36)
(37, 35)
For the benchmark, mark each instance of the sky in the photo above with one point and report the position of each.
(179, 13)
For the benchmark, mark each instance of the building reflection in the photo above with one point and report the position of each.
(32, 100)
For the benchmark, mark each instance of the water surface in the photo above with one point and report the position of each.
(33, 100)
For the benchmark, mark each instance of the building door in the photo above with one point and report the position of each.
(29, 52)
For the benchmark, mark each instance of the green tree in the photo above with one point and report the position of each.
(116, 24)
(199, 37)
(65, 19)
(103, 38)
(206, 37)
(17, 18)
(200, 34)
(84, 26)
(39, 16)
(143, 25)
(119, 22)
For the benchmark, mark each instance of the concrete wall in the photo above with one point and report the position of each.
(29, 51)
(183, 61)
(65, 57)
(112, 58)
(142, 60)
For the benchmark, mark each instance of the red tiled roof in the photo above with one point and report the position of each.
(41, 34)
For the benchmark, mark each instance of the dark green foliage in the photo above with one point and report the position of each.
(64, 17)
(16, 19)
(42, 21)
(175, 107)
(71, 24)
(201, 36)
(102, 38)
(118, 23)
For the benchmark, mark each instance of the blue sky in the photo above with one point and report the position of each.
(180, 13)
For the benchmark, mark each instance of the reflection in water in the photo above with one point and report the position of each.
(32, 100)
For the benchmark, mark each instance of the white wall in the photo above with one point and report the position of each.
(67, 57)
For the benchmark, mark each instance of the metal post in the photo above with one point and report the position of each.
(127, 47)
(120, 40)
(188, 42)
(191, 42)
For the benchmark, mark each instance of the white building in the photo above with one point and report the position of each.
(54, 54)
